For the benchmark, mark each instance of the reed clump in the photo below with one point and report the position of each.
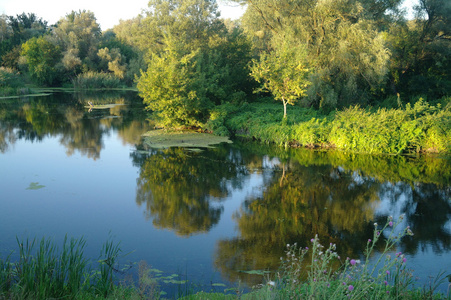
(44, 272)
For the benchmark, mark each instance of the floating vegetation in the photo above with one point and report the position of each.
(35, 186)
(161, 139)
(103, 106)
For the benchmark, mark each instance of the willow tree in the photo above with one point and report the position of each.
(345, 50)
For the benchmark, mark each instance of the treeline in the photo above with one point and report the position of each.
(318, 54)
(186, 60)
(73, 52)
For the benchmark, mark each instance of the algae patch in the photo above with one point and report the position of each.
(104, 106)
(35, 186)
(160, 139)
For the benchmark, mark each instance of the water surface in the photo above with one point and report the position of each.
(210, 215)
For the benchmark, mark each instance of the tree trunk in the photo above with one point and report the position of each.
(284, 108)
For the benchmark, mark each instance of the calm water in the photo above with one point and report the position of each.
(206, 216)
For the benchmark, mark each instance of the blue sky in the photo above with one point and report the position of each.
(53, 10)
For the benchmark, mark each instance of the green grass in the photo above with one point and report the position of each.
(417, 128)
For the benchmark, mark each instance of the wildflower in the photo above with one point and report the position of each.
(385, 281)
(306, 248)
(390, 223)
(404, 260)
(369, 240)
(352, 262)
(378, 233)
(375, 224)
(388, 272)
(351, 288)
(388, 292)
(344, 283)
(312, 240)
(271, 283)
(390, 218)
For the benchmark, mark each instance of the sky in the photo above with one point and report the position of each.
(106, 13)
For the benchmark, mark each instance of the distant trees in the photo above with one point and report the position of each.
(186, 60)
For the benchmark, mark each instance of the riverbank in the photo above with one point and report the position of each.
(420, 127)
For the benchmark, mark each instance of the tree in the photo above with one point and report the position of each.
(79, 33)
(345, 51)
(283, 72)
(16, 30)
(194, 62)
(41, 56)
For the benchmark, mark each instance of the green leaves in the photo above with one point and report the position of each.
(283, 72)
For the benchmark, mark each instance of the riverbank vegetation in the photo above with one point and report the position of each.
(45, 272)
(340, 62)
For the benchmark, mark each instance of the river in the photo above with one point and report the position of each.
(204, 219)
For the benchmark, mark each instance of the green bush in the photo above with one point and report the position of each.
(421, 127)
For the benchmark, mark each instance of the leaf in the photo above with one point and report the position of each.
(35, 186)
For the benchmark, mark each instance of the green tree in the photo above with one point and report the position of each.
(78, 35)
(194, 62)
(345, 50)
(15, 30)
(283, 72)
(41, 58)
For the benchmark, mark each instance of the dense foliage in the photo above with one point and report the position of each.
(189, 64)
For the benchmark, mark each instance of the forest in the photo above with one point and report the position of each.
(328, 62)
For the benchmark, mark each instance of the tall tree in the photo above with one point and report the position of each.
(79, 31)
(194, 62)
(345, 49)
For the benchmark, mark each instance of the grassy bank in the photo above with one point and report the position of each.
(420, 127)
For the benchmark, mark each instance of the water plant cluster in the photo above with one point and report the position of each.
(412, 128)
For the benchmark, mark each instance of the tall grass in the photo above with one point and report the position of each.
(44, 272)
(95, 80)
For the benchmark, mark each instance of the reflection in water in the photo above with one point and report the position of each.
(65, 116)
(334, 195)
(181, 190)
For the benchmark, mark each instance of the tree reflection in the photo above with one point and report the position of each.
(181, 190)
(297, 204)
(64, 116)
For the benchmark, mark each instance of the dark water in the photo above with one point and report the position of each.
(206, 216)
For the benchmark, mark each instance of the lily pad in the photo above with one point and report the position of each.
(35, 186)
(161, 139)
